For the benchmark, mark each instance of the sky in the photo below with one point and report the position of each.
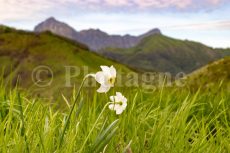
(205, 21)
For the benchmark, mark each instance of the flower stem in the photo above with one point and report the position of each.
(71, 111)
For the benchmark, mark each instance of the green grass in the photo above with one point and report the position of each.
(167, 120)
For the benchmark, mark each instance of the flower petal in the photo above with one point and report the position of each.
(119, 110)
(111, 106)
(106, 70)
(113, 71)
(124, 100)
(103, 89)
(114, 106)
(119, 96)
(112, 98)
(100, 77)
(124, 105)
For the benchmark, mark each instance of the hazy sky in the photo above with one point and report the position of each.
(206, 21)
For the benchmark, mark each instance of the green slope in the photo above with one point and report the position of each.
(165, 54)
(224, 52)
(211, 75)
(21, 52)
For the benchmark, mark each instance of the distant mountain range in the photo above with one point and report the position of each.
(151, 51)
(94, 38)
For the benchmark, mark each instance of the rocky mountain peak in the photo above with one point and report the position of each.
(154, 31)
(56, 27)
(50, 19)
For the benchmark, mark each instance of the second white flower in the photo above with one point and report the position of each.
(119, 103)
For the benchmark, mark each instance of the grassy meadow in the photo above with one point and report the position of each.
(167, 120)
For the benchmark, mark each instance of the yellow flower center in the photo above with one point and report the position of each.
(119, 103)
(111, 81)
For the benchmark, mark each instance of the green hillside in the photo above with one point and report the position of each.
(165, 54)
(212, 75)
(224, 52)
(21, 52)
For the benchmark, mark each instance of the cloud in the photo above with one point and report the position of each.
(214, 25)
(29, 9)
(162, 3)
(19, 9)
(154, 4)
(117, 2)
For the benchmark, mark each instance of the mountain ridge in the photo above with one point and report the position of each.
(96, 39)
(164, 54)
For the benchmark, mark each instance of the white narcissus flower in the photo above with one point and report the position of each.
(119, 103)
(106, 78)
